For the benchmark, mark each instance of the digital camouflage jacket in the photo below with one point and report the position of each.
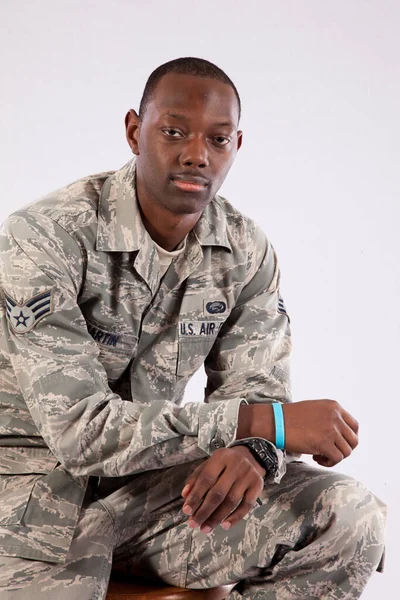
(96, 351)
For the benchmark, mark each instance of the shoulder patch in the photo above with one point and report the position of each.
(24, 317)
(282, 308)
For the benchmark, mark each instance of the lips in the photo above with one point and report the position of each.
(189, 183)
(187, 186)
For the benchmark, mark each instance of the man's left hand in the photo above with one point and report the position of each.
(223, 489)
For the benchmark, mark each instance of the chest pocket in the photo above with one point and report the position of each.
(116, 350)
(195, 340)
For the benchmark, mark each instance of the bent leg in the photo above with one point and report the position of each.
(318, 534)
(83, 576)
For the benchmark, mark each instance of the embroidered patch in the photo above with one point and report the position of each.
(216, 307)
(103, 337)
(282, 308)
(199, 328)
(24, 317)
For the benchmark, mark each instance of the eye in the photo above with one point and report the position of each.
(221, 140)
(172, 132)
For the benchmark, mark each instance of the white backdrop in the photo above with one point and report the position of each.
(318, 169)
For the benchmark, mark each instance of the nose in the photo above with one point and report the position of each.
(194, 154)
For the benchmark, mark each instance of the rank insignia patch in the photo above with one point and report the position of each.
(24, 317)
(282, 308)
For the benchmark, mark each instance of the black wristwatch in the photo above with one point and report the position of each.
(263, 451)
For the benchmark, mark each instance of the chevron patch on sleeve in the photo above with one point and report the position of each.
(282, 308)
(24, 317)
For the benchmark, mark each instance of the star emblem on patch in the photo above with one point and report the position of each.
(24, 317)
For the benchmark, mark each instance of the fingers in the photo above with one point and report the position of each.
(351, 421)
(249, 501)
(335, 453)
(334, 457)
(220, 501)
(236, 502)
(342, 443)
(227, 483)
(344, 447)
(204, 481)
(350, 436)
(345, 442)
(190, 481)
(324, 461)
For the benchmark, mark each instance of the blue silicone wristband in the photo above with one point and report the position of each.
(279, 426)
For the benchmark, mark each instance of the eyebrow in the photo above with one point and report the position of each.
(185, 118)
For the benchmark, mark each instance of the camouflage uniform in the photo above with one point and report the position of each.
(95, 353)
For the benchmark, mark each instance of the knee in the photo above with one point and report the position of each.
(352, 503)
(355, 515)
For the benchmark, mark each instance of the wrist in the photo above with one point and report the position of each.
(279, 425)
(250, 457)
(264, 452)
(256, 420)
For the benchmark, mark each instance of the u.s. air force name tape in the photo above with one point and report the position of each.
(199, 328)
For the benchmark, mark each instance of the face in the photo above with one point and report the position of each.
(185, 142)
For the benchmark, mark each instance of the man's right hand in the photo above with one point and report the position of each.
(318, 427)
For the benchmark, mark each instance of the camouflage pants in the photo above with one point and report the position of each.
(318, 534)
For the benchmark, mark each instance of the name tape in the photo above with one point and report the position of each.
(199, 328)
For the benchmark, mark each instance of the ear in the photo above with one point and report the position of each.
(132, 127)
(239, 139)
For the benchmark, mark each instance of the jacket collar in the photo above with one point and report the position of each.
(120, 226)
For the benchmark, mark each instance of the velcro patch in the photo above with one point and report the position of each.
(24, 317)
(199, 328)
(215, 307)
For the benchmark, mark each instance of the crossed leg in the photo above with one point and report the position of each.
(318, 534)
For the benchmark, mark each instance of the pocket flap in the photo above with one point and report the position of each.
(17, 461)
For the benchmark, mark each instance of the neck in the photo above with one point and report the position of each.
(165, 228)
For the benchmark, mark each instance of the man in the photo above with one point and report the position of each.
(115, 290)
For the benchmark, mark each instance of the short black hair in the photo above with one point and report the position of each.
(188, 65)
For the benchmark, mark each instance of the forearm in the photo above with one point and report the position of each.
(94, 432)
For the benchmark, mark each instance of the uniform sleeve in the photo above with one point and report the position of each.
(251, 356)
(90, 429)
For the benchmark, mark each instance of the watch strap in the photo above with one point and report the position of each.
(263, 451)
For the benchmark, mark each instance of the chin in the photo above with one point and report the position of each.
(189, 206)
